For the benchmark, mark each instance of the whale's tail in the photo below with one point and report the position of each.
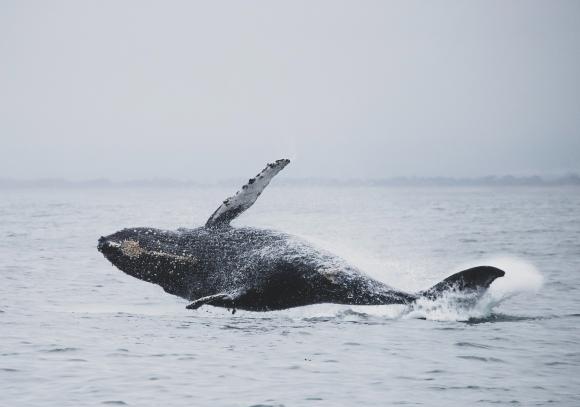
(472, 281)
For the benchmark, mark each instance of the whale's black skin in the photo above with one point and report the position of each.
(257, 269)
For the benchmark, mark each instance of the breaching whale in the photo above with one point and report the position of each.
(256, 269)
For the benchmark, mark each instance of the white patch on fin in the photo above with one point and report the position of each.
(246, 196)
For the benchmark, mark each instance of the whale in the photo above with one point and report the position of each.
(260, 269)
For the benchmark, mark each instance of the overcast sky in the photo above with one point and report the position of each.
(214, 89)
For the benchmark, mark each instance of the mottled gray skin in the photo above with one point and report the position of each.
(247, 268)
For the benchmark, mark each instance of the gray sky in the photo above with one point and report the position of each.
(214, 89)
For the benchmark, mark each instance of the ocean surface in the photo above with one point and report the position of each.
(75, 331)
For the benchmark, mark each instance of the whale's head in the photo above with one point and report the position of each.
(152, 255)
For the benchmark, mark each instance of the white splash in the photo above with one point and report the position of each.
(521, 278)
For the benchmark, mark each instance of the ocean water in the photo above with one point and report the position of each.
(77, 332)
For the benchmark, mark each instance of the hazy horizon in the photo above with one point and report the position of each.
(571, 179)
(212, 91)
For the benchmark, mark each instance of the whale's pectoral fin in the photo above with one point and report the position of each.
(246, 196)
(473, 280)
(219, 300)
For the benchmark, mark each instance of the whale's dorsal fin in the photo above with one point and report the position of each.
(246, 196)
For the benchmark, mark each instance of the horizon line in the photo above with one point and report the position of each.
(571, 179)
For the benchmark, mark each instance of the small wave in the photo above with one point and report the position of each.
(499, 317)
(480, 358)
(471, 345)
(348, 313)
(54, 350)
